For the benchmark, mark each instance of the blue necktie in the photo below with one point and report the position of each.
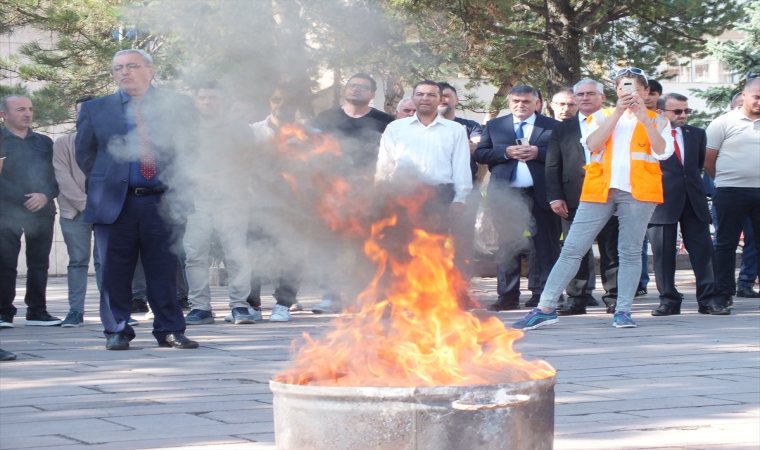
(519, 135)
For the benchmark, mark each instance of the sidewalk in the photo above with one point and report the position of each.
(680, 382)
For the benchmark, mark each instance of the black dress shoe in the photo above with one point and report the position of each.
(139, 306)
(571, 310)
(667, 310)
(117, 342)
(6, 356)
(533, 302)
(747, 292)
(591, 301)
(715, 310)
(506, 306)
(184, 303)
(178, 340)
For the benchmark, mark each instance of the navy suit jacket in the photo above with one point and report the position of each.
(103, 152)
(680, 181)
(565, 159)
(500, 134)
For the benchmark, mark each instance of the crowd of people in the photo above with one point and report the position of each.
(159, 177)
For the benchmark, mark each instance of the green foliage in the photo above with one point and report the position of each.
(741, 57)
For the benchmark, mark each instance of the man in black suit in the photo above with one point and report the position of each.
(135, 148)
(517, 192)
(565, 161)
(685, 202)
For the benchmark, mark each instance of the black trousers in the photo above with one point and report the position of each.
(139, 230)
(513, 210)
(698, 242)
(733, 206)
(607, 241)
(38, 234)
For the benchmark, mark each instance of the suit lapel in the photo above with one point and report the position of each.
(537, 129)
(509, 128)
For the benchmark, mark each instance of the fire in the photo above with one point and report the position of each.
(407, 328)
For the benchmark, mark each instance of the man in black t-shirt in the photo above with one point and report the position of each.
(358, 128)
(356, 125)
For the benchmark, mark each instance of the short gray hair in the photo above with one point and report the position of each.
(599, 86)
(398, 107)
(524, 89)
(4, 102)
(145, 56)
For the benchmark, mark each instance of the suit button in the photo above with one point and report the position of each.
(124, 181)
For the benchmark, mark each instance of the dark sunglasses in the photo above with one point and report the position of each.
(680, 111)
(633, 70)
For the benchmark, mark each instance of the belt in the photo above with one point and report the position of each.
(525, 190)
(146, 191)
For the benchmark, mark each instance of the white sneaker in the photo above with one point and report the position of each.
(228, 318)
(280, 313)
(327, 306)
(149, 315)
(296, 307)
(256, 313)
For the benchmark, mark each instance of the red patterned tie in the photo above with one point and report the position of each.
(678, 150)
(144, 146)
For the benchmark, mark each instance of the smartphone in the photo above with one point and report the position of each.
(523, 141)
(628, 87)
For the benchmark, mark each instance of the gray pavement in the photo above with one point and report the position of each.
(680, 382)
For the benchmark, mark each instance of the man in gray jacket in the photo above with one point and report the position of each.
(77, 234)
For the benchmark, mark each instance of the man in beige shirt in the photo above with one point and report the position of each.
(733, 160)
(77, 234)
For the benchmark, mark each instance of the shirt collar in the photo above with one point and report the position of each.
(679, 130)
(29, 134)
(438, 119)
(529, 121)
(126, 97)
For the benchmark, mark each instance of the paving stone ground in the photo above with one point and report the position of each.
(679, 382)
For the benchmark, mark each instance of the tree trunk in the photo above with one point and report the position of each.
(337, 87)
(394, 92)
(562, 55)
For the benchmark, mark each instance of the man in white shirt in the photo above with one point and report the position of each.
(429, 147)
(565, 161)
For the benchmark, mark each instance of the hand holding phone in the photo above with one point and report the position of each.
(523, 141)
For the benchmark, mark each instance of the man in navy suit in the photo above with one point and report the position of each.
(517, 192)
(135, 146)
(685, 202)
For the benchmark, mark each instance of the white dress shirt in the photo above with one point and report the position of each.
(621, 150)
(438, 154)
(523, 178)
(584, 131)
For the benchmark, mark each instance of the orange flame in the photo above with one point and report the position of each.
(407, 328)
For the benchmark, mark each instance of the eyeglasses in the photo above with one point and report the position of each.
(586, 94)
(563, 104)
(130, 67)
(680, 111)
(361, 87)
(633, 70)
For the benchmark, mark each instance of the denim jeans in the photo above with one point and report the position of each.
(633, 218)
(77, 234)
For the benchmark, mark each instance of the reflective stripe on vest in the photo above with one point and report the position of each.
(646, 175)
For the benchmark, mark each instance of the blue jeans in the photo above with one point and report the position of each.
(633, 218)
(77, 234)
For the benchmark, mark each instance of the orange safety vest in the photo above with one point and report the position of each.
(646, 175)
